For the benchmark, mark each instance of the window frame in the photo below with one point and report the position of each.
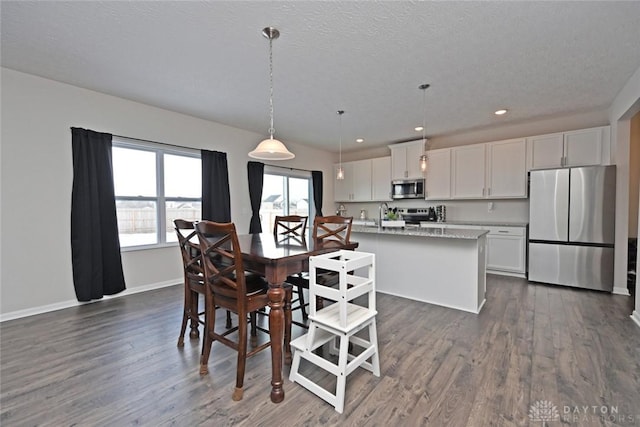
(292, 173)
(160, 199)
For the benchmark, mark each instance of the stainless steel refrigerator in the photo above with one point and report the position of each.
(571, 226)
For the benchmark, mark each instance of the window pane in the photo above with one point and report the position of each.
(136, 222)
(182, 176)
(273, 203)
(298, 196)
(190, 211)
(134, 172)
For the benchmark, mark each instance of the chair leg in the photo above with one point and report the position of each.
(228, 324)
(185, 315)
(254, 329)
(303, 309)
(342, 373)
(242, 356)
(210, 323)
(287, 325)
(194, 334)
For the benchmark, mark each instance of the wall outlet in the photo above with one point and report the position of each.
(490, 207)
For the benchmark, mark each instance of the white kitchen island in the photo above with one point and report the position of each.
(439, 266)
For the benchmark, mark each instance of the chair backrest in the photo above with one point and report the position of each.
(222, 259)
(289, 226)
(332, 229)
(190, 249)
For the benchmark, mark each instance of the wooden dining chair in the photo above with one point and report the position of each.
(327, 231)
(292, 229)
(228, 286)
(193, 280)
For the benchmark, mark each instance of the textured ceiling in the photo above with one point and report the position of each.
(209, 59)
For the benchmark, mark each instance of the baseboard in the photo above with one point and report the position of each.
(621, 291)
(18, 314)
(635, 316)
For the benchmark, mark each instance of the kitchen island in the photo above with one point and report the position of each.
(439, 266)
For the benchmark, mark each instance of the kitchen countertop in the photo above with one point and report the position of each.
(458, 233)
(485, 223)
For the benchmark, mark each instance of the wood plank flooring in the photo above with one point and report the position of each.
(116, 363)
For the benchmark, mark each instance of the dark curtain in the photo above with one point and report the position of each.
(216, 202)
(316, 180)
(95, 246)
(255, 173)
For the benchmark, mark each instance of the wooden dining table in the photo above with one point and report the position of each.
(276, 258)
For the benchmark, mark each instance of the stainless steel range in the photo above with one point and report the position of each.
(413, 216)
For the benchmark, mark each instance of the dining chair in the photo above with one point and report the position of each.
(327, 231)
(227, 285)
(292, 229)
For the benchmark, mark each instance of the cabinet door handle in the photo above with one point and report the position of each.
(483, 191)
(489, 191)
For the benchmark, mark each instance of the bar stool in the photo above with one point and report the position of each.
(338, 323)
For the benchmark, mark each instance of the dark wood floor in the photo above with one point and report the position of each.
(116, 363)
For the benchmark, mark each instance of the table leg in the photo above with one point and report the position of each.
(276, 331)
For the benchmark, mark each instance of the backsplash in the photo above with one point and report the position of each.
(516, 210)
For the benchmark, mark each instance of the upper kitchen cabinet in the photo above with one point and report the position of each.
(468, 171)
(381, 179)
(343, 188)
(583, 147)
(506, 169)
(405, 160)
(438, 176)
(364, 181)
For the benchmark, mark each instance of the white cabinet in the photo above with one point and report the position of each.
(405, 160)
(506, 169)
(582, 147)
(438, 176)
(468, 173)
(361, 179)
(586, 147)
(381, 179)
(506, 247)
(506, 250)
(343, 188)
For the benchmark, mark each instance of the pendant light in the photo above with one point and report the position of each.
(340, 174)
(423, 157)
(271, 149)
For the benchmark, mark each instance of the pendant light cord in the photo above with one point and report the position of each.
(271, 128)
(340, 129)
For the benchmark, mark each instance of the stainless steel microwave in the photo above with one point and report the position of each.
(407, 189)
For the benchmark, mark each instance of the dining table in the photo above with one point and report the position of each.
(276, 258)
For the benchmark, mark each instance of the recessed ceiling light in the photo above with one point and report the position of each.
(500, 112)
(418, 128)
(359, 140)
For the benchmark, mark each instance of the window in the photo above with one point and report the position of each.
(285, 192)
(154, 184)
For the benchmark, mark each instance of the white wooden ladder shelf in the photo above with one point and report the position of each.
(338, 323)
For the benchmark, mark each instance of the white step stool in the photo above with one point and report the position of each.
(340, 322)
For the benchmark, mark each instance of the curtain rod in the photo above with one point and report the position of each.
(154, 142)
(293, 169)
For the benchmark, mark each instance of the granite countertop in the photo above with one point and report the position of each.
(458, 233)
(489, 223)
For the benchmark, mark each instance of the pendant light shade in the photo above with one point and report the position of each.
(424, 158)
(340, 173)
(271, 148)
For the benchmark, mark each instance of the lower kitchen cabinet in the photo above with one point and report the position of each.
(506, 247)
(506, 250)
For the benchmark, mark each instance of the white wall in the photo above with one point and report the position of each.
(36, 177)
(624, 107)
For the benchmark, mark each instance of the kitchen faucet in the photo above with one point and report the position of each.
(383, 207)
